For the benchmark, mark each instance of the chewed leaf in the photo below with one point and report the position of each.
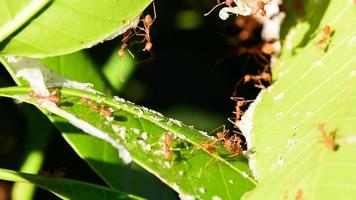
(302, 129)
(181, 163)
(66, 188)
(61, 27)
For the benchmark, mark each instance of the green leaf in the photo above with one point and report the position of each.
(66, 188)
(103, 159)
(77, 66)
(313, 87)
(101, 156)
(190, 169)
(37, 29)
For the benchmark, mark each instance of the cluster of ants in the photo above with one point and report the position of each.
(144, 31)
(55, 98)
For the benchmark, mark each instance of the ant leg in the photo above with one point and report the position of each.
(206, 14)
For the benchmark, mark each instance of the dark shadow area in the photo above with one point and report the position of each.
(296, 11)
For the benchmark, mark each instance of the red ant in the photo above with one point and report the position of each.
(147, 23)
(232, 143)
(261, 6)
(102, 110)
(257, 79)
(126, 36)
(328, 137)
(323, 42)
(167, 140)
(226, 2)
(53, 97)
(299, 195)
(240, 102)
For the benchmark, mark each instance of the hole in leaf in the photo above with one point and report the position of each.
(66, 104)
(120, 118)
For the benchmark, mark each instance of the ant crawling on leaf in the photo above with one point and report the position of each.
(328, 137)
(232, 143)
(101, 109)
(53, 96)
(208, 147)
(226, 2)
(323, 43)
(167, 140)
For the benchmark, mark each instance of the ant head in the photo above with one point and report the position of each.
(148, 20)
(327, 30)
(261, 4)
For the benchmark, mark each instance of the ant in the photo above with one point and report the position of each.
(102, 110)
(240, 102)
(167, 140)
(328, 137)
(261, 6)
(53, 96)
(323, 42)
(208, 147)
(147, 23)
(56, 173)
(232, 143)
(126, 36)
(258, 79)
(299, 195)
(226, 2)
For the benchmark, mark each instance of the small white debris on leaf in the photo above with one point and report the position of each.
(181, 173)
(291, 143)
(216, 197)
(186, 197)
(118, 99)
(201, 190)
(135, 130)
(144, 136)
(279, 96)
(145, 147)
(166, 164)
(231, 181)
(279, 114)
(244, 174)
